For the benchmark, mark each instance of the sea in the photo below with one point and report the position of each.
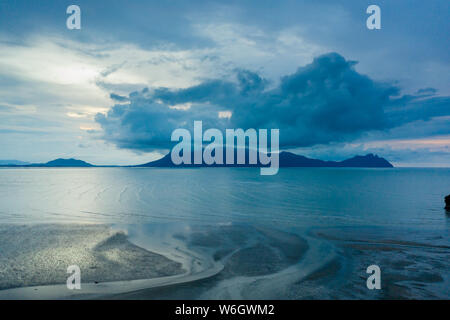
(347, 218)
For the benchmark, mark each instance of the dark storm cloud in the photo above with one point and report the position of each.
(118, 97)
(145, 124)
(413, 108)
(427, 91)
(325, 101)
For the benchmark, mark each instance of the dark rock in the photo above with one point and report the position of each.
(447, 203)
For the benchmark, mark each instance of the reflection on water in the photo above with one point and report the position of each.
(304, 233)
(296, 196)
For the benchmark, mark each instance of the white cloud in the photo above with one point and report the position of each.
(272, 53)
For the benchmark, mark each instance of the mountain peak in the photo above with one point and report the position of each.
(289, 159)
(67, 163)
(370, 160)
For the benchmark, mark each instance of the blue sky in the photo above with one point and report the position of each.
(112, 92)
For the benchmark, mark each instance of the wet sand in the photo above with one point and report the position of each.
(221, 261)
(142, 264)
(40, 254)
(414, 265)
(255, 261)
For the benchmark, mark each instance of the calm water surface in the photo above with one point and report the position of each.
(294, 197)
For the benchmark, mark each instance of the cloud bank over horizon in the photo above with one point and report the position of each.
(324, 102)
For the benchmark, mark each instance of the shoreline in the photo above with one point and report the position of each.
(225, 252)
(221, 261)
(34, 260)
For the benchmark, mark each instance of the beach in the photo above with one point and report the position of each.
(40, 254)
(34, 259)
(173, 261)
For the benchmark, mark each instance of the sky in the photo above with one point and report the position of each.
(113, 91)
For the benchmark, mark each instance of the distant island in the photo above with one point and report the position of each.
(65, 163)
(287, 159)
(13, 162)
(52, 164)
